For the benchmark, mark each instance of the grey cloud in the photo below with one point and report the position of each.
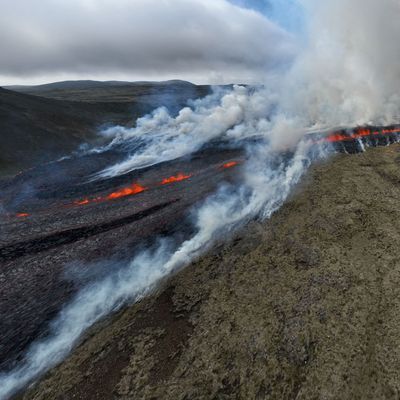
(138, 37)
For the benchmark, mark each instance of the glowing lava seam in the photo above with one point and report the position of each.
(230, 164)
(135, 188)
(128, 191)
(358, 134)
(22, 215)
(177, 178)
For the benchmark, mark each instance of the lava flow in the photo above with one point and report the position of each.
(135, 188)
(178, 178)
(358, 134)
(22, 215)
(128, 191)
(82, 202)
(230, 164)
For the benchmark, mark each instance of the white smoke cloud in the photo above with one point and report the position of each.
(226, 115)
(347, 73)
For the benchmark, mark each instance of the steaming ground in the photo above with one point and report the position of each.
(303, 306)
(227, 208)
(49, 255)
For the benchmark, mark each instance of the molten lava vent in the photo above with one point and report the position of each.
(178, 178)
(354, 140)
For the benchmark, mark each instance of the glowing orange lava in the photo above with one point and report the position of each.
(336, 137)
(22, 215)
(358, 134)
(135, 188)
(177, 178)
(82, 202)
(128, 191)
(230, 164)
(387, 131)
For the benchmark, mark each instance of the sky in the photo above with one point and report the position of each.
(203, 41)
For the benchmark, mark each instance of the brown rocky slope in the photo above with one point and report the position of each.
(303, 306)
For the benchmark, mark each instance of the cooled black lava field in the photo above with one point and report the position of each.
(58, 228)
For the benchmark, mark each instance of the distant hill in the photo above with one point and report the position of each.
(116, 91)
(90, 84)
(41, 123)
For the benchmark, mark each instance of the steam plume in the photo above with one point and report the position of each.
(346, 74)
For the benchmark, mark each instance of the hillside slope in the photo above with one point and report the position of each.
(50, 121)
(172, 93)
(304, 306)
(35, 129)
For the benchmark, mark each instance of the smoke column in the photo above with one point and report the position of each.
(346, 73)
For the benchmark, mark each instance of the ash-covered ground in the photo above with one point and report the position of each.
(303, 306)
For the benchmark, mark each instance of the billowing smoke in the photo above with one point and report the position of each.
(346, 74)
(226, 115)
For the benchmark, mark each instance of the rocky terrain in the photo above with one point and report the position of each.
(303, 306)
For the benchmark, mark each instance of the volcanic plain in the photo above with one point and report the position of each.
(303, 306)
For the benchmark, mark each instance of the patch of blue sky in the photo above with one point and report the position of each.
(289, 14)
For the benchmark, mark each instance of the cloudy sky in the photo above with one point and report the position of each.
(209, 41)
